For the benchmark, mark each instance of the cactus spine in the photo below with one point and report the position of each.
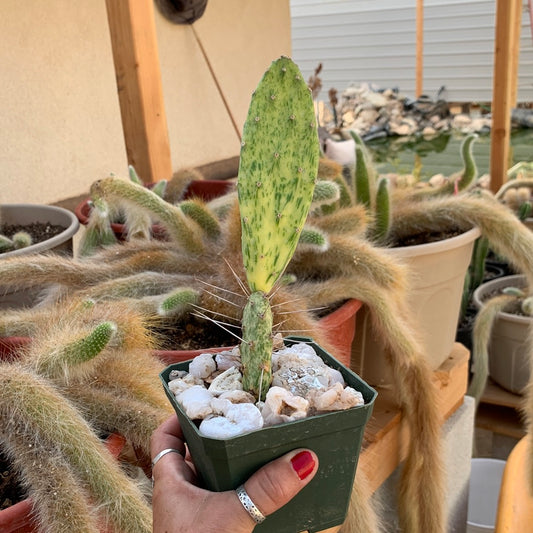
(277, 173)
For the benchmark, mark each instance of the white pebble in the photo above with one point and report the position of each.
(228, 359)
(202, 366)
(229, 380)
(196, 402)
(334, 376)
(237, 396)
(239, 418)
(281, 406)
(186, 381)
(335, 399)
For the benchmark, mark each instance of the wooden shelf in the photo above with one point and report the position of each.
(496, 395)
(386, 436)
(499, 412)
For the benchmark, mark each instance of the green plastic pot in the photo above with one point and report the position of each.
(335, 437)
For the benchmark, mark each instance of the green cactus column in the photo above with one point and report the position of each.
(277, 173)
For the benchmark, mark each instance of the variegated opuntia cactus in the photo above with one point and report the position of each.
(276, 180)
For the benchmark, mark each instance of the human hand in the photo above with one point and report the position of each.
(181, 506)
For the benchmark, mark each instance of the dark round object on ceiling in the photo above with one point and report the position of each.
(181, 11)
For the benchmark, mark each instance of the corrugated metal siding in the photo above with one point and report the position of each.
(375, 41)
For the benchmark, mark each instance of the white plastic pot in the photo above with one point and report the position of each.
(509, 346)
(485, 481)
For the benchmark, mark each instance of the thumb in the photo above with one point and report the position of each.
(276, 483)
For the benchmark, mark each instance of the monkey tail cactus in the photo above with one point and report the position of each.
(277, 173)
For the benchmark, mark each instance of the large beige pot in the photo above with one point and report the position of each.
(437, 272)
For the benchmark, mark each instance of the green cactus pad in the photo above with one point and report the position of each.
(277, 172)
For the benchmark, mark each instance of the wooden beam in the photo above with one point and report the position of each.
(419, 47)
(501, 91)
(135, 54)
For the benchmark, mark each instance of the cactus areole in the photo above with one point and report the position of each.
(277, 173)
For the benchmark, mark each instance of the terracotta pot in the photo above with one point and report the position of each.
(335, 437)
(62, 243)
(508, 349)
(339, 327)
(204, 189)
(10, 345)
(437, 271)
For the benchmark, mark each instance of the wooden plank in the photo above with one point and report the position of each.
(386, 438)
(496, 395)
(501, 92)
(501, 420)
(135, 54)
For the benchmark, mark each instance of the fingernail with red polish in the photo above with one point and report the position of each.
(303, 464)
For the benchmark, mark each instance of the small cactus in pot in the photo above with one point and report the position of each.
(277, 172)
(276, 185)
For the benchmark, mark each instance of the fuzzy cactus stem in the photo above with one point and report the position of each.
(53, 364)
(144, 199)
(362, 180)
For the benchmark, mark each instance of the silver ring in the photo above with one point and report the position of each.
(249, 505)
(161, 454)
(164, 452)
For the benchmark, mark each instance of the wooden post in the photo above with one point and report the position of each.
(419, 47)
(502, 87)
(135, 54)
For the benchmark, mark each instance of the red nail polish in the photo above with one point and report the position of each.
(303, 464)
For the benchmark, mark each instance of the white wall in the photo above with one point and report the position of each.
(60, 125)
(375, 41)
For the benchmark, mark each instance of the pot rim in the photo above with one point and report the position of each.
(437, 246)
(71, 222)
(505, 281)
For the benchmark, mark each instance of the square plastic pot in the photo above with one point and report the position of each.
(335, 437)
